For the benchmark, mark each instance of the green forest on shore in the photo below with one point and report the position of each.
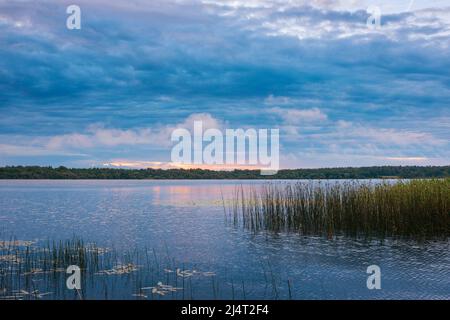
(405, 172)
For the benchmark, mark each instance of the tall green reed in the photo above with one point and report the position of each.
(409, 209)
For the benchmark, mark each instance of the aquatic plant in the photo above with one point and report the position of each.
(30, 270)
(409, 209)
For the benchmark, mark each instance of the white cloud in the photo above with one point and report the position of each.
(314, 159)
(402, 159)
(33, 150)
(298, 116)
(97, 135)
(333, 19)
(388, 136)
(277, 100)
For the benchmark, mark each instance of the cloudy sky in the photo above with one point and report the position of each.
(341, 93)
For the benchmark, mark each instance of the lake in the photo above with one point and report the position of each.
(184, 223)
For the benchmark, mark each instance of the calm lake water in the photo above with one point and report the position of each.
(186, 221)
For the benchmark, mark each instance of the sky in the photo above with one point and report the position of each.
(111, 93)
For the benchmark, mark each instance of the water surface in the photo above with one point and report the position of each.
(186, 220)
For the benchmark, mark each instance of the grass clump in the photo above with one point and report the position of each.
(404, 209)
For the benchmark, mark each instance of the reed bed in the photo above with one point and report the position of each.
(32, 270)
(402, 209)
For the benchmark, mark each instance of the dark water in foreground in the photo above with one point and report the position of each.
(185, 220)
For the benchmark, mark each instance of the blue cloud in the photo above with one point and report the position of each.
(155, 64)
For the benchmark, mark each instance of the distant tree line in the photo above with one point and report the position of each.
(35, 172)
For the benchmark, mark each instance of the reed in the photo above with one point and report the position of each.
(30, 271)
(404, 209)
